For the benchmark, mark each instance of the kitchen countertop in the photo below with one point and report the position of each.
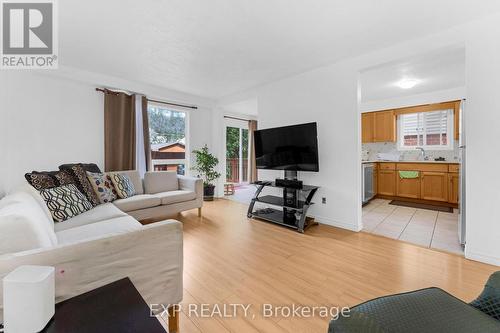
(436, 162)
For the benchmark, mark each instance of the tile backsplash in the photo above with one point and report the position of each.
(391, 147)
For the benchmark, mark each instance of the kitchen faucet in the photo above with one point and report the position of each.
(422, 153)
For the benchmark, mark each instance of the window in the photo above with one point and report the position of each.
(167, 134)
(429, 130)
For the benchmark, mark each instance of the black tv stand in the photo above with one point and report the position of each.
(290, 215)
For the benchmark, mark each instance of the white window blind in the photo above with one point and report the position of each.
(431, 130)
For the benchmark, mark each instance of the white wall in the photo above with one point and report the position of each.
(47, 120)
(482, 124)
(327, 96)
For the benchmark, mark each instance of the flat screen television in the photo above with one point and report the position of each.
(292, 148)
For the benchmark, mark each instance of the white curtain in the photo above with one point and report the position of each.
(140, 153)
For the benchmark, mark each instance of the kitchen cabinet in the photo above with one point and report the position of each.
(378, 127)
(434, 186)
(386, 182)
(453, 192)
(367, 127)
(375, 178)
(407, 187)
(384, 126)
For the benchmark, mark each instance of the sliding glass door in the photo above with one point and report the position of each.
(237, 152)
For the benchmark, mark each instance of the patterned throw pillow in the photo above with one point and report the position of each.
(103, 186)
(83, 184)
(123, 185)
(41, 180)
(64, 178)
(65, 202)
(48, 179)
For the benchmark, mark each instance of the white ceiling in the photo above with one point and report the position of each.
(219, 47)
(440, 70)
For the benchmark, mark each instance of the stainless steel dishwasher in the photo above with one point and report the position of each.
(367, 192)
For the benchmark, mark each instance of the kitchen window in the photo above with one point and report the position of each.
(429, 130)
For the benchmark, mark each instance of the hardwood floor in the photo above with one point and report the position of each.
(230, 259)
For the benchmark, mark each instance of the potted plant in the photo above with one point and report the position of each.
(205, 166)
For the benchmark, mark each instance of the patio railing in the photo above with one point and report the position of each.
(232, 170)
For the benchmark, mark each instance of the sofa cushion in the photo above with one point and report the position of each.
(160, 181)
(82, 183)
(136, 202)
(103, 186)
(31, 191)
(24, 225)
(123, 185)
(135, 177)
(171, 197)
(115, 226)
(100, 213)
(65, 202)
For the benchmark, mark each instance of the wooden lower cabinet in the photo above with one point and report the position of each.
(386, 182)
(407, 188)
(434, 186)
(453, 189)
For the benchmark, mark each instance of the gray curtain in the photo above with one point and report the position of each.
(119, 131)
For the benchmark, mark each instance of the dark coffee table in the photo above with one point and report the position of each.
(116, 307)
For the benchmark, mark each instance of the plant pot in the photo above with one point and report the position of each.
(208, 192)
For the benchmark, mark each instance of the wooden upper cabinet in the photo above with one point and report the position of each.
(434, 186)
(386, 182)
(384, 126)
(367, 127)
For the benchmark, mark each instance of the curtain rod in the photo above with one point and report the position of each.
(111, 92)
(235, 118)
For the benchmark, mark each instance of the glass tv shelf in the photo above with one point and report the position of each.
(289, 214)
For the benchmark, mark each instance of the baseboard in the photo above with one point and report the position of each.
(338, 224)
(482, 258)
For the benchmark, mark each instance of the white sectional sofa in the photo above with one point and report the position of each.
(105, 243)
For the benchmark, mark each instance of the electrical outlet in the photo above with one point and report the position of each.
(323, 200)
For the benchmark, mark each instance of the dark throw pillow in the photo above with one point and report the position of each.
(82, 183)
(48, 179)
(90, 167)
(41, 180)
(65, 202)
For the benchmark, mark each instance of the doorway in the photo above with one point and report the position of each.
(413, 150)
(237, 149)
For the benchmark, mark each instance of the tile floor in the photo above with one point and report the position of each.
(419, 226)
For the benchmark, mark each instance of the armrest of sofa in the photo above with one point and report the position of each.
(151, 257)
(489, 300)
(192, 184)
(356, 322)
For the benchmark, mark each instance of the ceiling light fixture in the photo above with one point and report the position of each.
(407, 83)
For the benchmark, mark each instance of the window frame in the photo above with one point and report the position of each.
(187, 157)
(449, 132)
